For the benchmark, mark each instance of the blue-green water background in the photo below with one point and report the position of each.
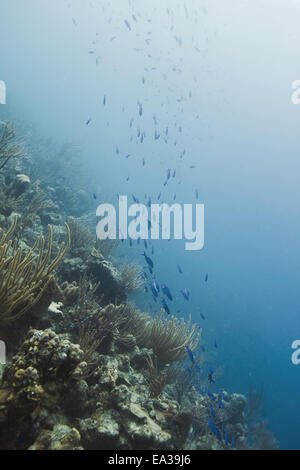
(222, 71)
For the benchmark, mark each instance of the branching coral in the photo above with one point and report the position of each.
(115, 323)
(9, 147)
(166, 336)
(106, 247)
(37, 203)
(139, 325)
(156, 380)
(25, 277)
(82, 240)
(110, 320)
(87, 304)
(131, 280)
(89, 342)
(170, 336)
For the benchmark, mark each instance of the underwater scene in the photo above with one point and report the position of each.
(149, 225)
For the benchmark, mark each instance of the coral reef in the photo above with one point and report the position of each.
(85, 368)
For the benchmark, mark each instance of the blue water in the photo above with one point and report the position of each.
(219, 78)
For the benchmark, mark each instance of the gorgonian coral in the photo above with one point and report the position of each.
(25, 277)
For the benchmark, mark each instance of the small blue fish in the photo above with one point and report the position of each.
(184, 295)
(212, 411)
(211, 395)
(154, 290)
(200, 390)
(191, 355)
(140, 109)
(148, 260)
(210, 377)
(214, 428)
(206, 277)
(166, 291)
(185, 292)
(156, 285)
(127, 24)
(165, 306)
(179, 268)
(215, 344)
(202, 316)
